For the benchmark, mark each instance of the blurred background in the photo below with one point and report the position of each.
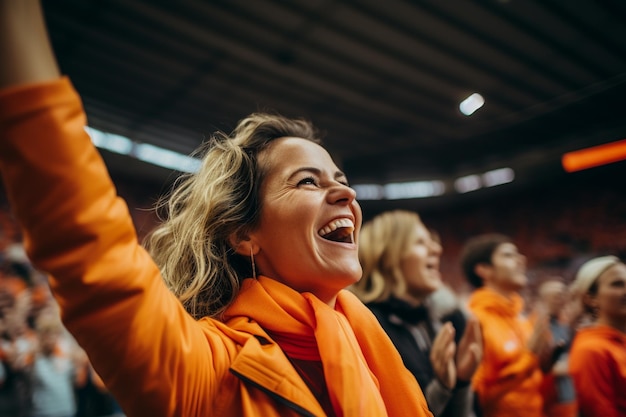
(384, 81)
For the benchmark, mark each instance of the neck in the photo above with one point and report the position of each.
(505, 292)
(616, 323)
(329, 298)
(412, 299)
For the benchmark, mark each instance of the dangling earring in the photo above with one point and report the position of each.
(252, 261)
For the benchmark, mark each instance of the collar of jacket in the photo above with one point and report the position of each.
(405, 311)
(486, 299)
(262, 363)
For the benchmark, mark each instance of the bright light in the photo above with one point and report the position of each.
(369, 191)
(467, 183)
(498, 176)
(471, 104)
(143, 151)
(109, 141)
(487, 179)
(399, 190)
(416, 189)
(165, 158)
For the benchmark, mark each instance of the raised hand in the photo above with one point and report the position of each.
(25, 50)
(470, 350)
(540, 342)
(442, 356)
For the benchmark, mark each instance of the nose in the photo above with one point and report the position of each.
(341, 194)
(435, 247)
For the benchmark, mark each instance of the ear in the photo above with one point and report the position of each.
(243, 245)
(483, 270)
(590, 301)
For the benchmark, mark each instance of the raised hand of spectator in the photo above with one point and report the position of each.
(541, 343)
(442, 356)
(469, 353)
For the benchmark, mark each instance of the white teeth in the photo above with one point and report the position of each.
(336, 224)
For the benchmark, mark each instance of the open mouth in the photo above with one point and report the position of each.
(340, 230)
(432, 262)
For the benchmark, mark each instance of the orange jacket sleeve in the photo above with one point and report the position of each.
(137, 334)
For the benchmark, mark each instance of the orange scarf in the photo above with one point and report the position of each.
(363, 370)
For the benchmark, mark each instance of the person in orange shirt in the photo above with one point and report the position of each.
(598, 353)
(239, 307)
(509, 379)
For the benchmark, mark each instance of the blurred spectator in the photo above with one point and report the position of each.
(400, 260)
(43, 371)
(598, 353)
(54, 370)
(558, 387)
(18, 344)
(508, 381)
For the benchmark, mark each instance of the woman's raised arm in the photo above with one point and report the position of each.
(25, 50)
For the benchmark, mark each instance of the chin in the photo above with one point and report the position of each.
(344, 279)
(522, 281)
(355, 272)
(354, 277)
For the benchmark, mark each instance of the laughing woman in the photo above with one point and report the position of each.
(238, 309)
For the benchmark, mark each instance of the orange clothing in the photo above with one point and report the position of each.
(597, 362)
(153, 356)
(551, 405)
(508, 380)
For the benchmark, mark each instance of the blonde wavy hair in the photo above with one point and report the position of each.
(383, 243)
(192, 245)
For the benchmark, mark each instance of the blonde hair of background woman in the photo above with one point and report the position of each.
(383, 243)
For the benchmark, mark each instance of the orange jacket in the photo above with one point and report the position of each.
(155, 359)
(597, 362)
(508, 380)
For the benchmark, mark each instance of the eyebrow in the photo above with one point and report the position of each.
(317, 171)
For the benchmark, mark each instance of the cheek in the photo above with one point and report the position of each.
(413, 261)
(512, 269)
(420, 254)
(609, 296)
(281, 215)
(275, 230)
(356, 207)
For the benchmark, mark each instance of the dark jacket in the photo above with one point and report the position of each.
(412, 330)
